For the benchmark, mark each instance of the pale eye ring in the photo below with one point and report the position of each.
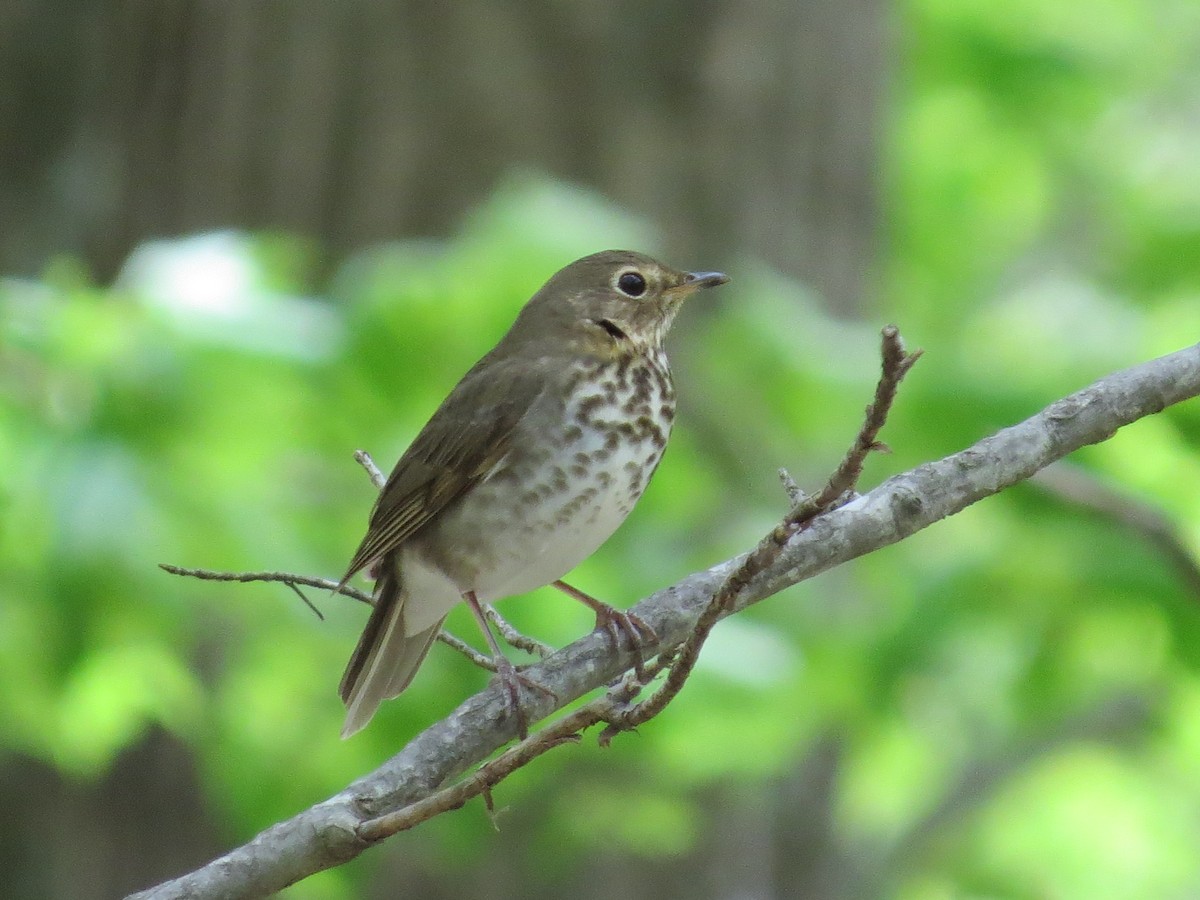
(631, 284)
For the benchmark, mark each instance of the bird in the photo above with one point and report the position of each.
(533, 460)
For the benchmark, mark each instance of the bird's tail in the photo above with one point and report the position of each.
(386, 657)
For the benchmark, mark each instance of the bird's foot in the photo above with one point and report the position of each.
(614, 623)
(512, 679)
(638, 633)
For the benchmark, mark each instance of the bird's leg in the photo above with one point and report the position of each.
(615, 623)
(505, 670)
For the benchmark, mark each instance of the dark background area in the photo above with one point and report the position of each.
(365, 121)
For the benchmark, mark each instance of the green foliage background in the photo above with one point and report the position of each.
(1043, 230)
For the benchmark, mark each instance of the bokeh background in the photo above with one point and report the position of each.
(240, 241)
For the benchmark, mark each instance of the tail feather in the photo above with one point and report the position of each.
(386, 658)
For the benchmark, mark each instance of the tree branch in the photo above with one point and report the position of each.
(341, 827)
(1075, 484)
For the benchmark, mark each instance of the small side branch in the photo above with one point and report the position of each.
(294, 581)
(532, 646)
(1074, 484)
(291, 579)
(896, 363)
(363, 458)
(567, 730)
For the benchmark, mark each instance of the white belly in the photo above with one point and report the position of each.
(530, 524)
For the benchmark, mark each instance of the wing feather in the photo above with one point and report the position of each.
(461, 445)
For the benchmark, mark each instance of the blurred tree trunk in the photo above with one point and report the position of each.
(746, 125)
(142, 821)
(749, 124)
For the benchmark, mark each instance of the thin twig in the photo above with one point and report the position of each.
(304, 598)
(796, 494)
(565, 730)
(1076, 485)
(615, 714)
(291, 579)
(896, 363)
(487, 776)
(456, 643)
(363, 458)
(515, 638)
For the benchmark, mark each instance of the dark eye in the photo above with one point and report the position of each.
(632, 283)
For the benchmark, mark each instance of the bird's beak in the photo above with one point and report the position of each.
(705, 279)
(693, 281)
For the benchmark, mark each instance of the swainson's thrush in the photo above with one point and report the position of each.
(534, 459)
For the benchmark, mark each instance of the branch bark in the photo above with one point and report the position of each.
(346, 824)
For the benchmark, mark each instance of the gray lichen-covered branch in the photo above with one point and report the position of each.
(341, 827)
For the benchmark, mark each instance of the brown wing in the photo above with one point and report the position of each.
(457, 448)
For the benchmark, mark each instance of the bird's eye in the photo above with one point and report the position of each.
(631, 284)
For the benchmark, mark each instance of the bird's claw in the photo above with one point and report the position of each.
(512, 679)
(638, 633)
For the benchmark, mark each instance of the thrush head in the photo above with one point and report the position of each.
(609, 301)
